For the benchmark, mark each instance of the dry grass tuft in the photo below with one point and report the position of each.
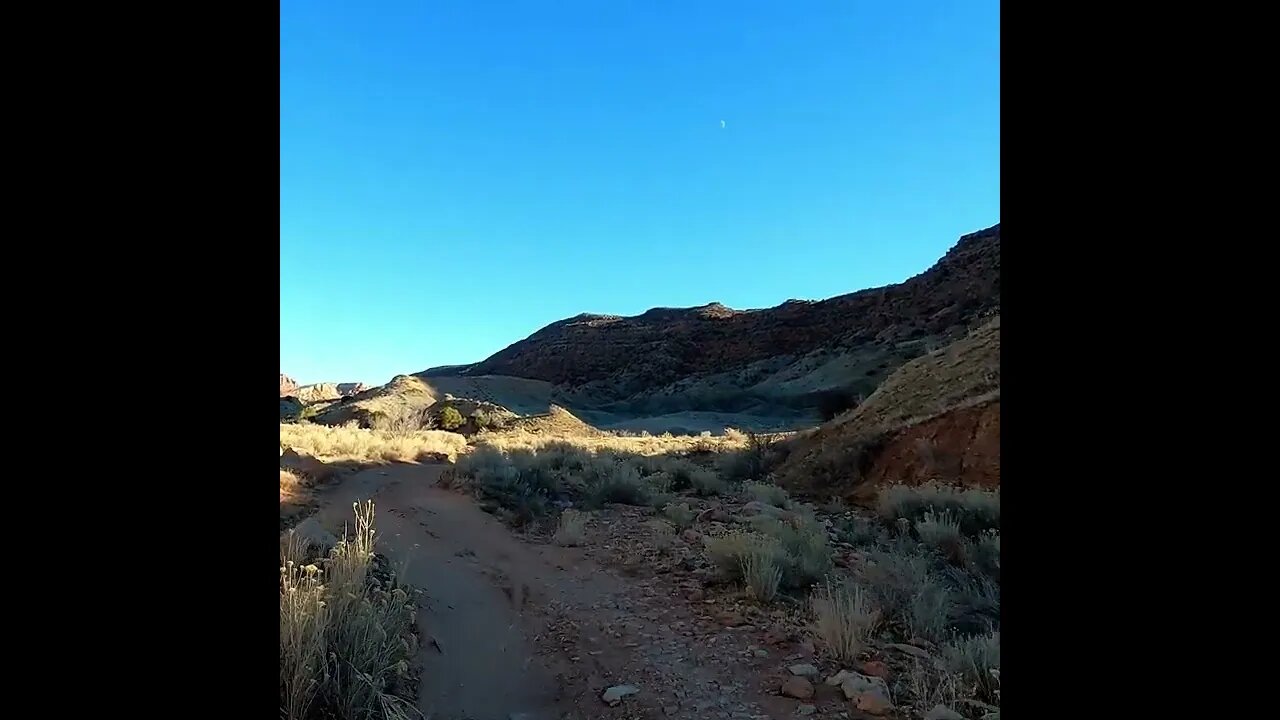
(972, 509)
(767, 493)
(345, 638)
(682, 516)
(761, 572)
(663, 534)
(360, 445)
(977, 660)
(571, 530)
(844, 618)
(641, 445)
(291, 485)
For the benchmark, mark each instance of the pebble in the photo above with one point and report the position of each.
(614, 695)
(797, 687)
(875, 668)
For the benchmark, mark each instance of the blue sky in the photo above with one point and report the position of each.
(456, 174)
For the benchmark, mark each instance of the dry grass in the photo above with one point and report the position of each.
(682, 516)
(972, 510)
(360, 445)
(728, 552)
(291, 485)
(761, 572)
(639, 445)
(663, 534)
(844, 617)
(975, 659)
(767, 493)
(571, 530)
(345, 638)
(527, 473)
(707, 483)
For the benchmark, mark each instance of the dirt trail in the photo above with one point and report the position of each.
(518, 630)
(476, 661)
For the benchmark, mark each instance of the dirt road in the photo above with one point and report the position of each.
(518, 629)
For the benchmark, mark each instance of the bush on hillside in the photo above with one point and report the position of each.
(450, 418)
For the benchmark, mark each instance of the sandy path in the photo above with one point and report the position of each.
(526, 631)
(476, 656)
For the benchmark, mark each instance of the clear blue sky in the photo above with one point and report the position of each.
(455, 174)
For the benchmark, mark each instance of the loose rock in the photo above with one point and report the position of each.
(911, 650)
(875, 668)
(942, 712)
(875, 702)
(839, 678)
(803, 670)
(806, 710)
(855, 684)
(614, 695)
(731, 619)
(797, 687)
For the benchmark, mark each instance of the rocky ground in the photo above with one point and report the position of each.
(694, 647)
(629, 621)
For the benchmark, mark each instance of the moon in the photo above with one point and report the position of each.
(721, 124)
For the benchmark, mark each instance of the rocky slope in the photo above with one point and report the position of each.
(935, 418)
(790, 359)
(287, 385)
(323, 392)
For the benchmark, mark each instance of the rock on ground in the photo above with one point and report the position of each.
(942, 712)
(614, 695)
(797, 687)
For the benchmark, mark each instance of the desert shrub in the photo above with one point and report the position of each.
(938, 530)
(450, 418)
(660, 482)
(402, 420)
(682, 516)
(753, 461)
(291, 483)
(806, 553)
(346, 637)
(761, 572)
(941, 533)
(361, 445)
(911, 590)
(861, 532)
(975, 659)
(707, 483)
(929, 684)
(972, 509)
(844, 618)
(308, 412)
(735, 466)
(518, 483)
(620, 483)
(985, 552)
(975, 603)
(768, 493)
(728, 551)
(571, 528)
(663, 533)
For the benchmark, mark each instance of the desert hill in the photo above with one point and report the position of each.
(778, 367)
(935, 418)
